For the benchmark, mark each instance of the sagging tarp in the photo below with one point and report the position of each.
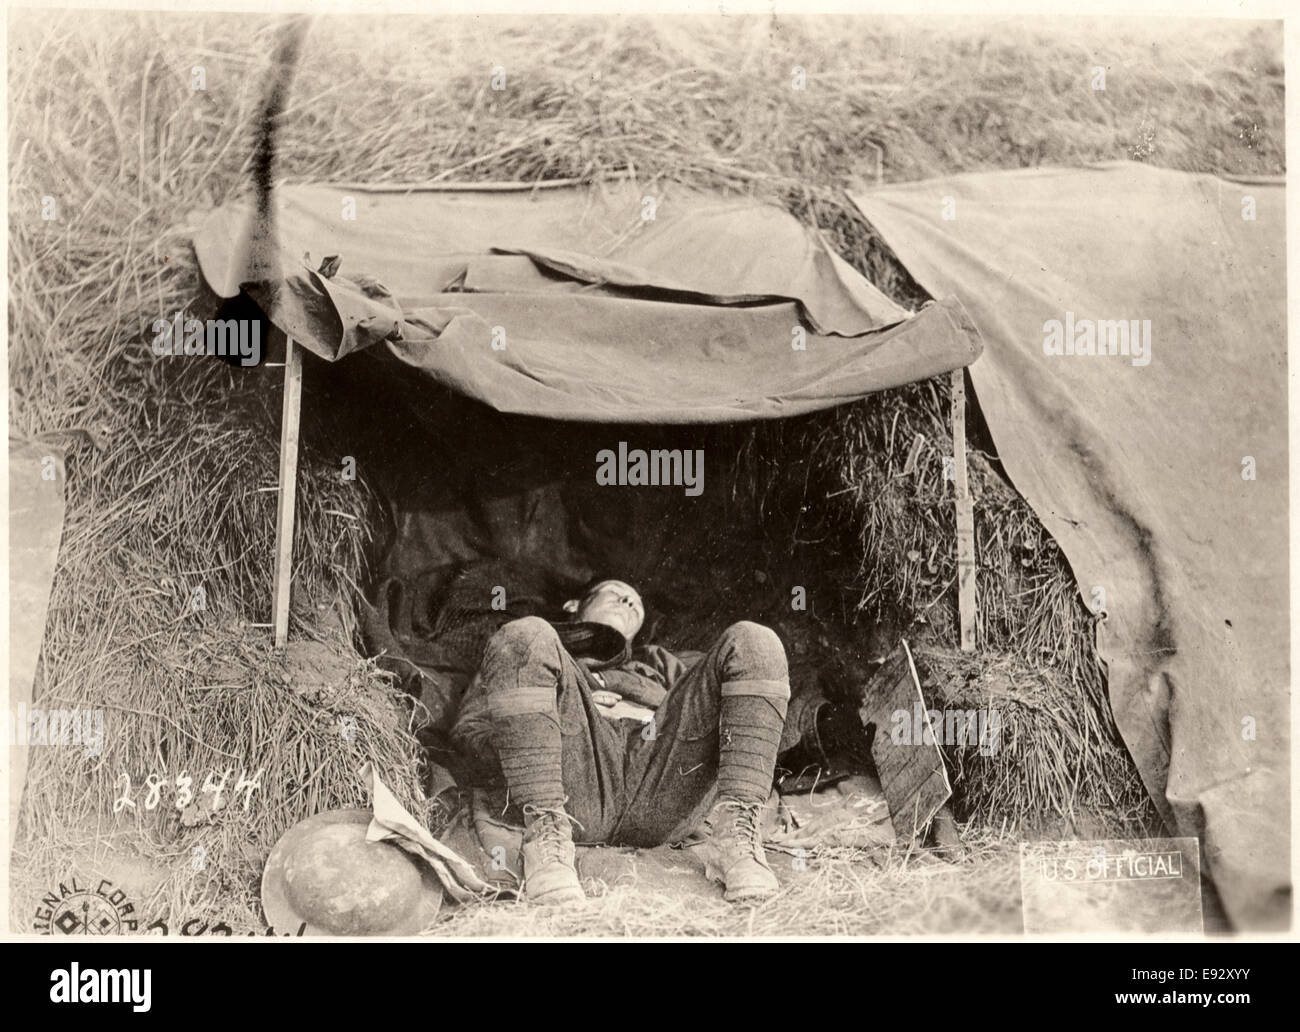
(1162, 476)
(572, 303)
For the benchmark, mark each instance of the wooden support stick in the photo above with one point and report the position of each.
(288, 490)
(965, 515)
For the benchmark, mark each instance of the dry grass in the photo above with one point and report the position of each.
(186, 681)
(841, 893)
(1055, 762)
(103, 120)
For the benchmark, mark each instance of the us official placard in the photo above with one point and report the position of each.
(1111, 885)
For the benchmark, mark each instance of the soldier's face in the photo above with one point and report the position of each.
(615, 604)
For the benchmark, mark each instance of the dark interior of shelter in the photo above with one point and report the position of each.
(482, 517)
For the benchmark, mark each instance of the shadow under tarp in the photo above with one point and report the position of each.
(495, 517)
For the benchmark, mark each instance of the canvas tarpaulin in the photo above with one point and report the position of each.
(1166, 484)
(573, 303)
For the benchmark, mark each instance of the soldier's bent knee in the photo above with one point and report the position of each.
(754, 638)
(524, 631)
(758, 650)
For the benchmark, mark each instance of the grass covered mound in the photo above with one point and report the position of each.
(168, 486)
(153, 616)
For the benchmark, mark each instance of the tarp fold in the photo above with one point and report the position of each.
(588, 304)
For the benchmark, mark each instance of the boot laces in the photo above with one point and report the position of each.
(550, 827)
(746, 824)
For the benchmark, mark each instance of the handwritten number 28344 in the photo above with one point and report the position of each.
(154, 785)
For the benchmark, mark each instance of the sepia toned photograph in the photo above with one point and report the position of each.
(647, 474)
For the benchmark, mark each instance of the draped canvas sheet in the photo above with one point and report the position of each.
(570, 303)
(1137, 470)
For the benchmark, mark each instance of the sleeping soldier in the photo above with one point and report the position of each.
(577, 775)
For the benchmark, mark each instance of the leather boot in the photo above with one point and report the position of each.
(550, 874)
(733, 852)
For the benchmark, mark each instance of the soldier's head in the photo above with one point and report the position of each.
(614, 603)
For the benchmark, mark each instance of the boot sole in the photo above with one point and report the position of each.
(756, 895)
(557, 897)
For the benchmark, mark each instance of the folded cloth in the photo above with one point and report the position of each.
(392, 823)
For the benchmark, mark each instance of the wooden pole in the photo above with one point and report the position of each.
(289, 416)
(965, 515)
